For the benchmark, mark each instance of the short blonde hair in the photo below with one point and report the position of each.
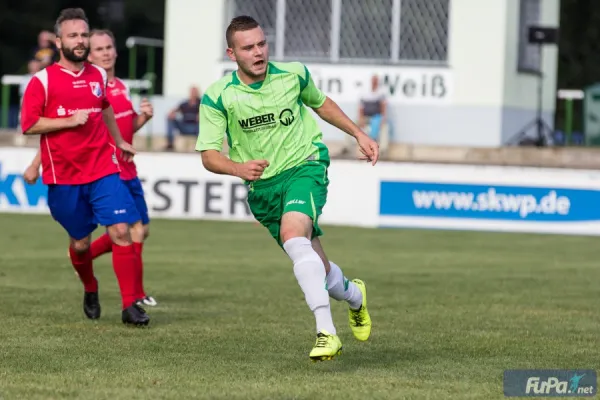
(100, 32)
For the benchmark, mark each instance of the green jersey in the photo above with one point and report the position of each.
(266, 120)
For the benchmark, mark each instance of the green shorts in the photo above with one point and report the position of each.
(302, 189)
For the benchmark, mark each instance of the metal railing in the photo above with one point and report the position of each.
(17, 80)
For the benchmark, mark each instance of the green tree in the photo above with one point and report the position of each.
(22, 20)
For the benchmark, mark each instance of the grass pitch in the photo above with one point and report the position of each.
(451, 311)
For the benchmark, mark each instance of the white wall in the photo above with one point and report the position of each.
(193, 44)
(477, 51)
(477, 29)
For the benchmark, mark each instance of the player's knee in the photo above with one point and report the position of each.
(137, 232)
(146, 231)
(316, 245)
(80, 246)
(295, 224)
(119, 234)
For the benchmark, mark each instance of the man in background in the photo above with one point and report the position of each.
(103, 52)
(45, 52)
(373, 116)
(187, 123)
(372, 113)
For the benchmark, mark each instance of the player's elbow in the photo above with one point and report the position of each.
(207, 159)
(210, 161)
(325, 107)
(28, 128)
(30, 131)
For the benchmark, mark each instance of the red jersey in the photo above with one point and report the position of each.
(76, 155)
(118, 96)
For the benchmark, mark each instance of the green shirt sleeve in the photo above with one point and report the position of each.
(213, 124)
(309, 93)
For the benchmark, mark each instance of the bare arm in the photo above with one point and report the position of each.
(48, 125)
(37, 160)
(333, 114)
(32, 172)
(145, 115)
(173, 112)
(139, 122)
(215, 162)
(108, 116)
(33, 121)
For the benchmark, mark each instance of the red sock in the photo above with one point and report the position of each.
(101, 246)
(124, 264)
(82, 262)
(139, 247)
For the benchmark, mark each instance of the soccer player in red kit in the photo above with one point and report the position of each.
(103, 53)
(66, 104)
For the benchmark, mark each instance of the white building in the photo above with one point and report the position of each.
(460, 72)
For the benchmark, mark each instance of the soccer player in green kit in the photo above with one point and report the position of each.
(276, 148)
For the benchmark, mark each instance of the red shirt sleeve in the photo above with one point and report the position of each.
(34, 100)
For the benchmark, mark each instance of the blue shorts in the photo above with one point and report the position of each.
(80, 208)
(137, 192)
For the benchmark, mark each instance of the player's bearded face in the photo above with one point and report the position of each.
(74, 40)
(77, 53)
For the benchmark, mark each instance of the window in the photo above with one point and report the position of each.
(381, 31)
(424, 30)
(264, 11)
(366, 29)
(308, 29)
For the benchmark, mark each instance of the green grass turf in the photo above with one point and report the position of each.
(451, 311)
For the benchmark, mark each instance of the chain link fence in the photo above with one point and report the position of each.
(266, 9)
(360, 31)
(307, 32)
(424, 30)
(366, 30)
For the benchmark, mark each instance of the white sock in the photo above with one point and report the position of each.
(336, 284)
(310, 273)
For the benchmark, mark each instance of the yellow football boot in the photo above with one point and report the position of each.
(326, 347)
(360, 321)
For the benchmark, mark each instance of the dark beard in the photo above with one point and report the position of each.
(69, 54)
